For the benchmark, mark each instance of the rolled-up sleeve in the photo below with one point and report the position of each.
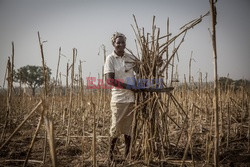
(109, 65)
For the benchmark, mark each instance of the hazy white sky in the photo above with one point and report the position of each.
(87, 24)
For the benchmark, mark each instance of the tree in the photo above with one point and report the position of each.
(32, 76)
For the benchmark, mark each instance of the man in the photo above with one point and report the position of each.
(117, 69)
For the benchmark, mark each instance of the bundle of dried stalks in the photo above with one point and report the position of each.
(151, 114)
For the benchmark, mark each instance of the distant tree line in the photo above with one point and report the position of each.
(33, 77)
(226, 82)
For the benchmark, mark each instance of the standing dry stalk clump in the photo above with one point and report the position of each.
(150, 125)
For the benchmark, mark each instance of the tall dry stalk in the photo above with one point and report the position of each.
(49, 130)
(71, 96)
(45, 90)
(94, 134)
(55, 86)
(81, 84)
(10, 79)
(216, 114)
(7, 100)
(67, 79)
(5, 74)
(190, 67)
(167, 50)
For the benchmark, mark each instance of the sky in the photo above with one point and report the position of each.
(87, 25)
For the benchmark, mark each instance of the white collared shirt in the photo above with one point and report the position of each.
(123, 69)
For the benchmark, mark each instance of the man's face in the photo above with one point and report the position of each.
(119, 44)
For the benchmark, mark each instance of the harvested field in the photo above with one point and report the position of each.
(195, 124)
(193, 139)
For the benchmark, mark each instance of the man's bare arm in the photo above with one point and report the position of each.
(110, 79)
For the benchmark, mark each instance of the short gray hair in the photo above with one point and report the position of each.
(116, 35)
